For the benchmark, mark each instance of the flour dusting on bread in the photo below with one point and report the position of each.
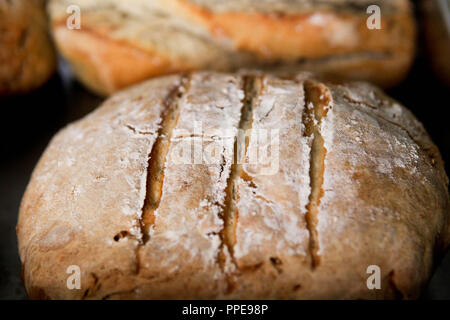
(344, 178)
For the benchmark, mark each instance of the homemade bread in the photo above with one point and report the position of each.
(123, 42)
(27, 57)
(344, 178)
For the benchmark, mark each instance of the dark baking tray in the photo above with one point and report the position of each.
(28, 123)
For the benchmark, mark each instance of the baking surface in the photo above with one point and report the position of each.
(30, 121)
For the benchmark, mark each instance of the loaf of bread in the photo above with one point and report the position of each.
(249, 186)
(123, 42)
(27, 57)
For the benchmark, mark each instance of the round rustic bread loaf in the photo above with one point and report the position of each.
(159, 194)
(27, 57)
(124, 42)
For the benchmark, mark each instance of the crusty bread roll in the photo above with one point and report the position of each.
(27, 57)
(344, 178)
(124, 42)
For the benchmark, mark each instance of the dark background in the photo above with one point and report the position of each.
(27, 123)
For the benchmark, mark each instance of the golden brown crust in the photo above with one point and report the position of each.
(120, 192)
(108, 69)
(355, 181)
(27, 57)
(275, 36)
(185, 36)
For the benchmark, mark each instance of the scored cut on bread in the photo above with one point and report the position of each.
(351, 180)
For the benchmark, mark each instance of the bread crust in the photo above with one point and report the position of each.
(108, 69)
(358, 183)
(27, 57)
(197, 35)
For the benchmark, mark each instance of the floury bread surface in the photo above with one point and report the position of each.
(123, 42)
(27, 56)
(357, 183)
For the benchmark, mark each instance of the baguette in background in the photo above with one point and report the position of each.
(125, 42)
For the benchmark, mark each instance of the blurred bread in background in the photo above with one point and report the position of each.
(124, 42)
(436, 14)
(27, 57)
